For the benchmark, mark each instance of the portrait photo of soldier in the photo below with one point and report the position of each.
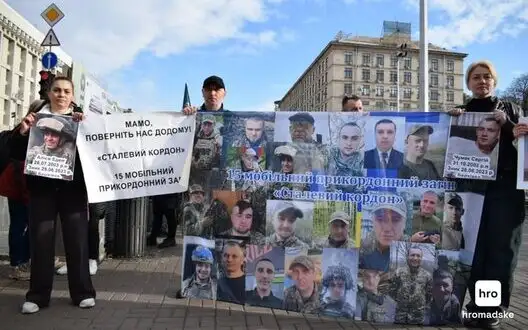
(417, 145)
(289, 224)
(383, 224)
(426, 225)
(373, 303)
(445, 307)
(197, 217)
(52, 147)
(452, 229)
(335, 225)
(339, 282)
(199, 271)
(207, 142)
(244, 224)
(231, 266)
(411, 280)
(474, 135)
(383, 150)
(281, 160)
(346, 155)
(264, 276)
(303, 295)
(245, 160)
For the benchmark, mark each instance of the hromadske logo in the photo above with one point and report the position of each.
(488, 293)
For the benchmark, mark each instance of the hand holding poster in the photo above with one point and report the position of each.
(130, 155)
(51, 147)
(473, 147)
(522, 159)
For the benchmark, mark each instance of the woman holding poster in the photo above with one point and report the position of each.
(52, 197)
(500, 233)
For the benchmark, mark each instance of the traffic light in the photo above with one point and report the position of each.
(46, 78)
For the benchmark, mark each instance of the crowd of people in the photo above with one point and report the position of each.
(35, 202)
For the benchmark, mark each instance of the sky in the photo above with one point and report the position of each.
(145, 52)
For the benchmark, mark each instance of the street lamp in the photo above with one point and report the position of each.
(401, 53)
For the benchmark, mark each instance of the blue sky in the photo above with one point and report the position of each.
(146, 52)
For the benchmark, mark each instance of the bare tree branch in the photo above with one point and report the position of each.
(517, 92)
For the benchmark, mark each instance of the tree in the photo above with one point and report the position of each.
(517, 92)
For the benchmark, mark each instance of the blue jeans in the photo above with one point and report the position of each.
(18, 233)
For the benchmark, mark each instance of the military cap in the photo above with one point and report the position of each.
(454, 199)
(284, 207)
(304, 261)
(208, 119)
(55, 124)
(420, 128)
(340, 215)
(195, 188)
(285, 150)
(302, 116)
(400, 208)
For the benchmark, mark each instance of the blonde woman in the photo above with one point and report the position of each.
(500, 233)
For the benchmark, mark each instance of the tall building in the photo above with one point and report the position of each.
(367, 67)
(20, 54)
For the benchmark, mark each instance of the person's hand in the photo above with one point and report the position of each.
(455, 112)
(189, 110)
(78, 116)
(520, 130)
(500, 116)
(26, 123)
(418, 237)
(434, 238)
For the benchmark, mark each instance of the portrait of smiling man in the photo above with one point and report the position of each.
(262, 295)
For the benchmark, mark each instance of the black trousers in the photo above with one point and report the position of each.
(72, 207)
(167, 206)
(499, 239)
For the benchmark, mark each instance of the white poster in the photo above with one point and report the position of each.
(522, 160)
(473, 147)
(135, 155)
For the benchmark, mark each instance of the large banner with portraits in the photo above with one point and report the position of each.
(339, 214)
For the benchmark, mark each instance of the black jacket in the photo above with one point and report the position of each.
(5, 138)
(18, 150)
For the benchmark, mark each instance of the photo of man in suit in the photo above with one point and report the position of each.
(384, 156)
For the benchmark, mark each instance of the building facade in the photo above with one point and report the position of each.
(20, 54)
(367, 67)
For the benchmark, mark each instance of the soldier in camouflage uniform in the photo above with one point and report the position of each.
(286, 155)
(58, 137)
(452, 231)
(339, 232)
(200, 285)
(445, 307)
(411, 287)
(338, 281)
(347, 158)
(206, 153)
(254, 134)
(242, 224)
(195, 221)
(303, 297)
(388, 226)
(284, 218)
(372, 304)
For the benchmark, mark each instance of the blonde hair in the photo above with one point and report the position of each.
(485, 64)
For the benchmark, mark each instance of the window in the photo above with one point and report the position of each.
(434, 95)
(393, 105)
(380, 76)
(407, 63)
(348, 89)
(348, 73)
(379, 91)
(450, 65)
(407, 77)
(407, 92)
(380, 60)
(365, 90)
(406, 105)
(366, 59)
(348, 58)
(450, 96)
(379, 105)
(365, 75)
(393, 92)
(434, 80)
(393, 76)
(434, 64)
(450, 81)
(394, 61)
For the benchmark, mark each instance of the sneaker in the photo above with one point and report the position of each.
(490, 323)
(21, 272)
(62, 270)
(93, 266)
(168, 242)
(29, 308)
(58, 263)
(87, 303)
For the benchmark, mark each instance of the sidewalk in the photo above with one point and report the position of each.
(140, 294)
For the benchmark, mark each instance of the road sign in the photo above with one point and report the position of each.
(50, 39)
(52, 15)
(49, 60)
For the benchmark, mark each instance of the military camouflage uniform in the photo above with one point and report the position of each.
(206, 153)
(373, 307)
(291, 241)
(61, 152)
(413, 294)
(193, 289)
(448, 313)
(351, 167)
(192, 217)
(293, 301)
(330, 243)
(338, 307)
(255, 237)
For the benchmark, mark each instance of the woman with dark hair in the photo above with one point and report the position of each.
(500, 232)
(49, 198)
